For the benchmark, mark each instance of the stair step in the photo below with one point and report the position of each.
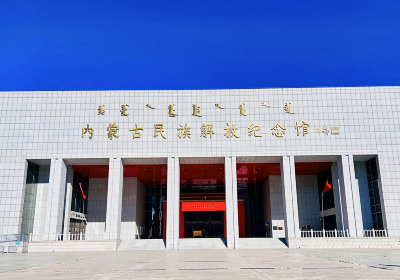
(202, 243)
(262, 243)
(141, 244)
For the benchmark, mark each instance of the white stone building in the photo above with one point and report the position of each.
(226, 164)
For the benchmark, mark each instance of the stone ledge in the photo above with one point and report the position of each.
(344, 243)
(73, 246)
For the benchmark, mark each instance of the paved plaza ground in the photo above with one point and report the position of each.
(205, 264)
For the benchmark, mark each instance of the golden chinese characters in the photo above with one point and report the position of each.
(158, 128)
(136, 132)
(112, 131)
(242, 110)
(171, 111)
(206, 130)
(218, 105)
(89, 131)
(184, 131)
(278, 130)
(123, 110)
(101, 110)
(287, 108)
(304, 126)
(196, 110)
(324, 130)
(252, 130)
(230, 131)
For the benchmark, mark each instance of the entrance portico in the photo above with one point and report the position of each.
(202, 195)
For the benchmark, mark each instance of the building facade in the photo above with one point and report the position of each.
(184, 164)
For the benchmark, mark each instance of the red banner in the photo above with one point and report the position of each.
(203, 206)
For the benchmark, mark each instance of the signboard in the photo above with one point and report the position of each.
(301, 127)
(197, 233)
(78, 216)
(203, 206)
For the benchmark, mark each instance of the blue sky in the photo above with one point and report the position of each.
(144, 45)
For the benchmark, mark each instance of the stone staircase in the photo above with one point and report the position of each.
(262, 243)
(141, 244)
(202, 243)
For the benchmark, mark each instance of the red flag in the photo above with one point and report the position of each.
(84, 196)
(327, 186)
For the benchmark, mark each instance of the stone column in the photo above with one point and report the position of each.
(289, 197)
(336, 195)
(68, 197)
(55, 199)
(231, 202)
(235, 203)
(114, 199)
(173, 203)
(7, 228)
(350, 196)
(382, 200)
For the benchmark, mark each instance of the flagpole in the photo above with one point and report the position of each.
(322, 201)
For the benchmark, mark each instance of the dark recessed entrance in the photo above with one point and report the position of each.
(211, 223)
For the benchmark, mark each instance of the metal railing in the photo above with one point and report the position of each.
(324, 233)
(13, 237)
(139, 232)
(75, 236)
(79, 236)
(375, 233)
(36, 237)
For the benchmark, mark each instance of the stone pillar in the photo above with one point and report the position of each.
(55, 199)
(390, 230)
(7, 228)
(68, 197)
(235, 203)
(114, 199)
(289, 197)
(350, 196)
(336, 196)
(173, 203)
(231, 202)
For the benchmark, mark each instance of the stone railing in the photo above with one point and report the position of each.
(139, 232)
(79, 236)
(375, 233)
(324, 233)
(341, 233)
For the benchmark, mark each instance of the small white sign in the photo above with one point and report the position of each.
(78, 216)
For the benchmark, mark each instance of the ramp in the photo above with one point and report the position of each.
(141, 244)
(262, 243)
(202, 243)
